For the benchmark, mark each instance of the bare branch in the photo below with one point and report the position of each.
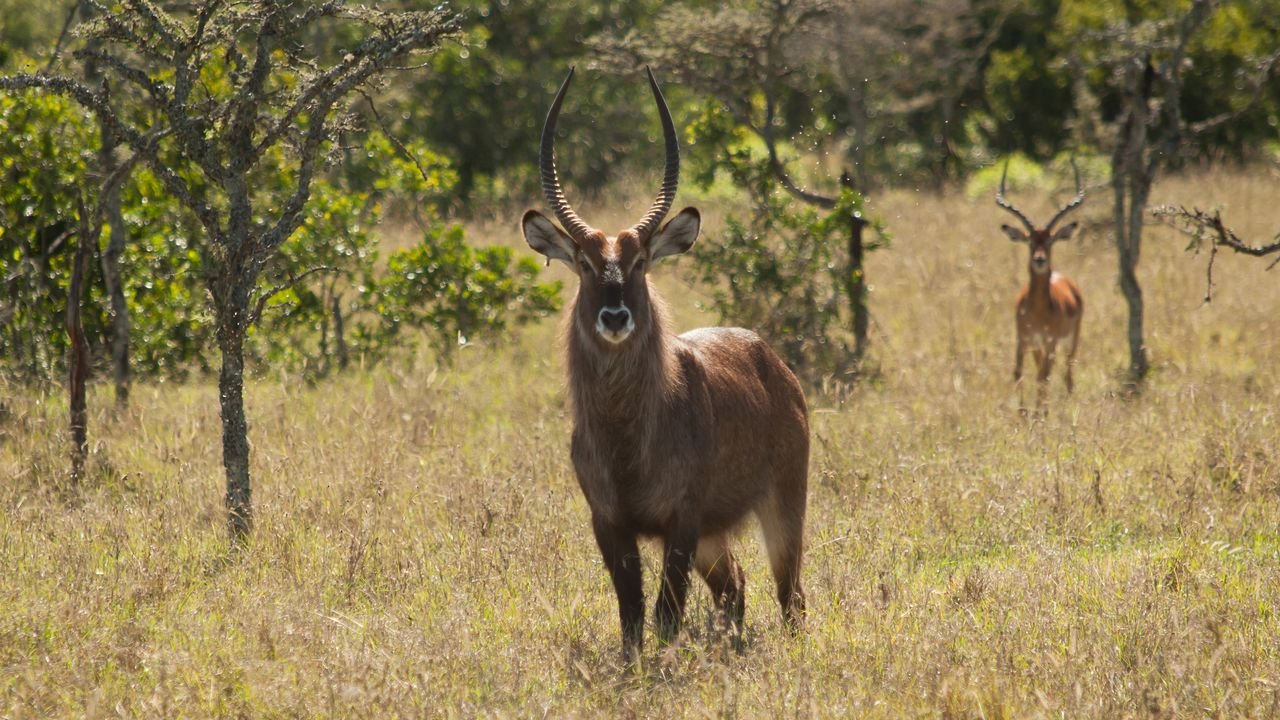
(62, 36)
(293, 281)
(1196, 224)
(422, 172)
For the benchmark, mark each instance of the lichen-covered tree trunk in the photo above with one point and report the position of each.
(1131, 178)
(78, 362)
(111, 276)
(110, 206)
(857, 290)
(232, 311)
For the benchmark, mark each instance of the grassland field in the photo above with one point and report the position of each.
(422, 548)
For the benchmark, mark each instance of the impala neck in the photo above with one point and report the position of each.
(1039, 285)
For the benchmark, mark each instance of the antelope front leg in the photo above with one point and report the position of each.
(1019, 352)
(678, 550)
(1042, 380)
(622, 557)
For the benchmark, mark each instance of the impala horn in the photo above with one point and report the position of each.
(1031, 228)
(1075, 202)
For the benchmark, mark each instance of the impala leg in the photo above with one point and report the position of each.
(782, 522)
(622, 558)
(1071, 360)
(1042, 379)
(1018, 354)
(716, 564)
(1017, 360)
(678, 551)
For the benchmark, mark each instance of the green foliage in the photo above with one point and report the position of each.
(170, 326)
(484, 101)
(783, 270)
(457, 293)
(46, 144)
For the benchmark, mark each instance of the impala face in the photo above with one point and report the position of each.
(1041, 243)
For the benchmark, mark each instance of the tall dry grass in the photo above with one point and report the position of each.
(422, 548)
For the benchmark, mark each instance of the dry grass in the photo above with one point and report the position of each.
(422, 548)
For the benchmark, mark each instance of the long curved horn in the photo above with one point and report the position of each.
(1008, 205)
(574, 225)
(671, 177)
(1075, 202)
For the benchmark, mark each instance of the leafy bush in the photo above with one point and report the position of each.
(782, 270)
(458, 293)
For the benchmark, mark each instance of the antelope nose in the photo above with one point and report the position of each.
(615, 320)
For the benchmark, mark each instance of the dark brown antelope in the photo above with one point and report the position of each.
(1050, 306)
(675, 437)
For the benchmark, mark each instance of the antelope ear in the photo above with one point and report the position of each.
(1015, 234)
(676, 236)
(1064, 232)
(546, 239)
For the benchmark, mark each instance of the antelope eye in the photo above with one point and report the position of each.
(586, 266)
(638, 266)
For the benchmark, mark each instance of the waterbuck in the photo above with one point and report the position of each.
(678, 437)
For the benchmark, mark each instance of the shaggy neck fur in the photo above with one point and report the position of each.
(620, 392)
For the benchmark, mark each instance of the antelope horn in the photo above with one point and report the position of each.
(1008, 205)
(574, 225)
(671, 177)
(1075, 202)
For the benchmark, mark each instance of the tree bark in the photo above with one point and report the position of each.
(110, 203)
(78, 360)
(1131, 186)
(232, 317)
(340, 342)
(110, 206)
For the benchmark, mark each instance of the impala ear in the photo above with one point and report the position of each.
(1015, 234)
(547, 239)
(1064, 233)
(676, 236)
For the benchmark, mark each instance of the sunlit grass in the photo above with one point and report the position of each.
(422, 548)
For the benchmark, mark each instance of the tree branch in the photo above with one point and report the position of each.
(293, 280)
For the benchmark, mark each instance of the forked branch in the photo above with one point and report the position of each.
(1199, 225)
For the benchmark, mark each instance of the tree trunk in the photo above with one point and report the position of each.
(110, 203)
(78, 362)
(232, 317)
(857, 289)
(339, 340)
(1131, 185)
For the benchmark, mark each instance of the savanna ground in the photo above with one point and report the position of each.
(422, 548)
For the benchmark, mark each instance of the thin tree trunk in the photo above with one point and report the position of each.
(110, 203)
(78, 360)
(339, 341)
(1131, 186)
(855, 281)
(232, 317)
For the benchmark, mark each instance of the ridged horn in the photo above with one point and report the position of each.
(1008, 205)
(573, 224)
(1075, 202)
(671, 176)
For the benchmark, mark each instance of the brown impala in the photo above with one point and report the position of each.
(1050, 306)
(678, 437)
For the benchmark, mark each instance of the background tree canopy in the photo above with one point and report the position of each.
(892, 92)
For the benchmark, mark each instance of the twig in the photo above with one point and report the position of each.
(293, 280)
(62, 36)
(1196, 222)
(394, 140)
